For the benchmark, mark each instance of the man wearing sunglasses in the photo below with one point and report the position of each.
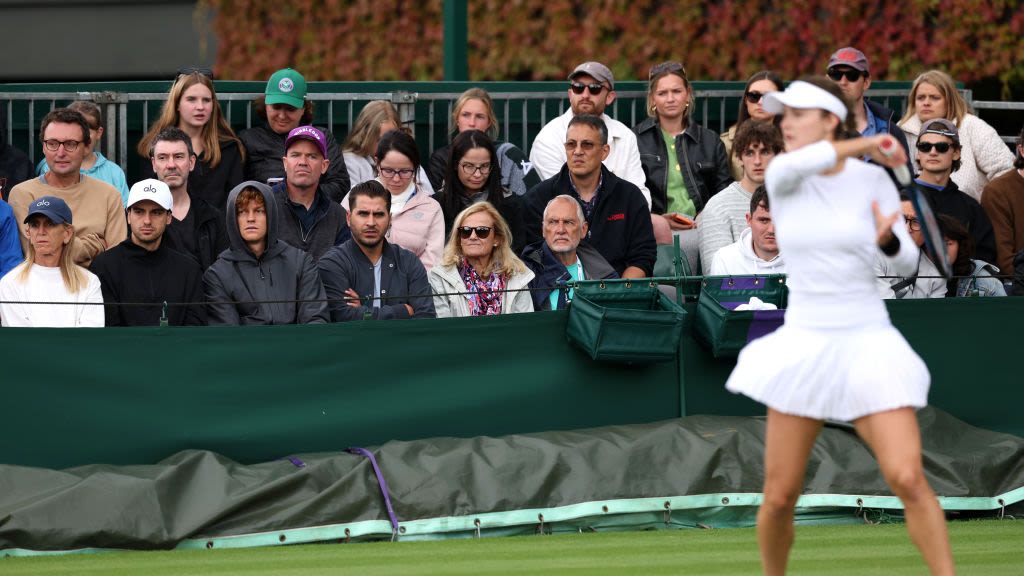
(848, 67)
(938, 156)
(97, 206)
(591, 91)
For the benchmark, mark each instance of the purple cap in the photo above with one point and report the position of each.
(849, 56)
(307, 133)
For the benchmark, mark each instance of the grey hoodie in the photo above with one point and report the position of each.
(238, 284)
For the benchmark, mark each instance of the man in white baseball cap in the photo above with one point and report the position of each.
(143, 270)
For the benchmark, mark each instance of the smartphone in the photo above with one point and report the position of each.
(682, 219)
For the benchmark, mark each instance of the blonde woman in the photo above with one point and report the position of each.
(479, 274)
(375, 120)
(49, 274)
(94, 164)
(474, 110)
(983, 154)
(192, 106)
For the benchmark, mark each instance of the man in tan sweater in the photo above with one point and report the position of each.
(99, 214)
(1003, 201)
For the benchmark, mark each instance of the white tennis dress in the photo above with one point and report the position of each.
(837, 356)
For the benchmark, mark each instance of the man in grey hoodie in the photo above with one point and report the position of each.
(261, 279)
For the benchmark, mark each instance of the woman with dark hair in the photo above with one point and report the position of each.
(970, 277)
(757, 86)
(95, 163)
(284, 107)
(472, 175)
(474, 110)
(837, 357)
(417, 223)
(376, 119)
(192, 106)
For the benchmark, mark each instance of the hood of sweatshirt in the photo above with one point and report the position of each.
(747, 250)
(239, 249)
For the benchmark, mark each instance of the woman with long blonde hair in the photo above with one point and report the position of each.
(49, 274)
(479, 274)
(193, 107)
(983, 154)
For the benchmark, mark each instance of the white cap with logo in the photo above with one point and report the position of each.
(152, 190)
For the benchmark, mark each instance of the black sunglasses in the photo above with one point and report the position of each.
(851, 75)
(579, 87)
(754, 97)
(666, 68)
(208, 72)
(482, 232)
(940, 147)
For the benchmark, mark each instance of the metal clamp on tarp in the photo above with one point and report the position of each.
(383, 488)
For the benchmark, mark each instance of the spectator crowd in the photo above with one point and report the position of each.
(279, 224)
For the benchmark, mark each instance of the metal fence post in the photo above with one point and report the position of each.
(405, 102)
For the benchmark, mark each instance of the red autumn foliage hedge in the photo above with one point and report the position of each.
(542, 39)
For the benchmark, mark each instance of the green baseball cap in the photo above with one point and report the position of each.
(286, 86)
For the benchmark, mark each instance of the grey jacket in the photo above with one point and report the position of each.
(403, 280)
(283, 273)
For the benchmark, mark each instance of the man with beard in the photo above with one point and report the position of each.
(368, 278)
(591, 90)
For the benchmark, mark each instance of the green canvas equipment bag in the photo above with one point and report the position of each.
(628, 321)
(725, 330)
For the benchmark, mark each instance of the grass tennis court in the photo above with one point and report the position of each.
(989, 547)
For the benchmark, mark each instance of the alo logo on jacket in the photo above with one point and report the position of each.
(619, 216)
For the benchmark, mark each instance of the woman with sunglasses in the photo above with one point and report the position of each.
(685, 163)
(837, 357)
(193, 107)
(472, 176)
(95, 163)
(284, 107)
(480, 275)
(983, 153)
(474, 110)
(417, 223)
(757, 86)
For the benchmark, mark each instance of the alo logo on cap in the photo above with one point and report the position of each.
(42, 203)
(286, 85)
(149, 188)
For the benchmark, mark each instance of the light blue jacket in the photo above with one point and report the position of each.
(10, 243)
(981, 282)
(103, 169)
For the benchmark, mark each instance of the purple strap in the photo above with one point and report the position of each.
(764, 322)
(383, 487)
(295, 461)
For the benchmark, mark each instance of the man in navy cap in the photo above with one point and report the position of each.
(309, 220)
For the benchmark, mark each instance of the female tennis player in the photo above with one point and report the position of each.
(837, 357)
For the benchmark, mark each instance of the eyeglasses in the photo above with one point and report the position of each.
(54, 145)
(754, 97)
(195, 70)
(579, 87)
(666, 68)
(913, 224)
(482, 232)
(470, 169)
(940, 147)
(585, 145)
(403, 173)
(851, 75)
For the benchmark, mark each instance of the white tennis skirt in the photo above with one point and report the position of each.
(832, 374)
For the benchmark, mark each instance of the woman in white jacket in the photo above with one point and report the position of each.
(479, 275)
(983, 154)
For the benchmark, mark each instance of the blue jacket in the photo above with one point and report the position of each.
(981, 282)
(550, 274)
(10, 243)
(403, 280)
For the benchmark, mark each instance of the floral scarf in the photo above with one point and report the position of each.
(485, 295)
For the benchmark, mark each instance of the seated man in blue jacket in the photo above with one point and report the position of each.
(618, 219)
(367, 277)
(562, 257)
